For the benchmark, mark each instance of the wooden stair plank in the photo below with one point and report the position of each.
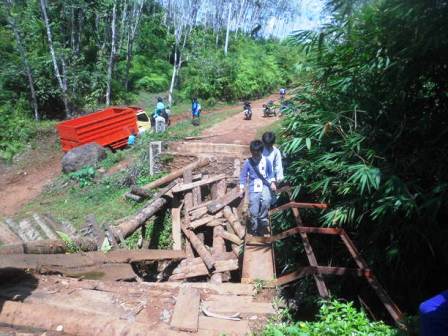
(258, 263)
(239, 307)
(224, 327)
(186, 311)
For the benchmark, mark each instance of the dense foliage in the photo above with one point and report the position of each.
(110, 50)
(335, 318)
(368, 136)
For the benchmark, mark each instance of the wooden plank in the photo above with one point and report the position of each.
(35, 261)
(230, 237)
(201, 270)
(291, 232)
(187, 186)
(186, 310)
(258, 263)
(234, 222)
(204, 220)
(230, 298)
(221, 202)
(224, 327)
(240, 307)
(223, 289)
(188, 204)
(320, 283)
(300, 205)
(387, 301)
(176, 224)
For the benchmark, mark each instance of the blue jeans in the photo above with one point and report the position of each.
(259, 204)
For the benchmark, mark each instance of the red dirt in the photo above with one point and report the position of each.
(236, 130)
(26, 178)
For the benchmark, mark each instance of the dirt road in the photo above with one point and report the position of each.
(26, 178)
(236, 130)
(22, 182)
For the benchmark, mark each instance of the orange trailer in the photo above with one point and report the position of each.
(110, 127)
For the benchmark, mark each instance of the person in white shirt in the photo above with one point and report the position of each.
(272, 153)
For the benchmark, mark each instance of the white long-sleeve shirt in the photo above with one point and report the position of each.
(275, 157)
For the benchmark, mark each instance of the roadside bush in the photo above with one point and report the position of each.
(335, 319)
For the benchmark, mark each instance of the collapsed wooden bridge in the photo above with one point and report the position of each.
(210, 247)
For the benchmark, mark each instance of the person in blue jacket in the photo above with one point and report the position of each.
(195, 108)
(434, 315)
(258, 175)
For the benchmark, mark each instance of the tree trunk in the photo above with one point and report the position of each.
(112, 57)
(175, 174)
(62, 83)
(226, 45)
(127, 228)
(48, 246)
(24, 59)
(173, 78)
(236, 225)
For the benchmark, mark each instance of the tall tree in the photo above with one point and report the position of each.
(113, 52)
(60, 74)
(23, 57)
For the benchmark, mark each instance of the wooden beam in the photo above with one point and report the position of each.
(230, 237)
(199, 247)
(291, 232)
(35, 261)
(221, 202)
(201, 270)
(177, 173)
(176, 223)
(204, 220)
(234, 222)
(299, 205)
(187, 186)
(188, 204)
(387, 301)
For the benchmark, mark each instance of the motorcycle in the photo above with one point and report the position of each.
(247, 112)
(269, 109)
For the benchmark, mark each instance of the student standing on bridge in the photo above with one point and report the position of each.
(272, 153)
(257, 173)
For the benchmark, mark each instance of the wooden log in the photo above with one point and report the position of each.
(128, 227)
(199, 247)
(133, 197)
(186, 310)
(36, 261)
(188, 186)
(236, 249)
(7, 236)
(197, 196)
(177, 173)
(201, 270)
(221, 202)
(231, 237)
(204, 220)
(46, 229)
(175, 225)
(188, 204)
(234, 222)
(198, 213)
(48, 246)
(219, 247)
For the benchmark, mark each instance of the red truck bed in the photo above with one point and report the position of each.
(110, 127)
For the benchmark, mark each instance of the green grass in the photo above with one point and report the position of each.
(275, 127)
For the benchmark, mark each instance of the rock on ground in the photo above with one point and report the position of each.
(85, 155)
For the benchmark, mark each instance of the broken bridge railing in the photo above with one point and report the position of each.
(318, 271)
